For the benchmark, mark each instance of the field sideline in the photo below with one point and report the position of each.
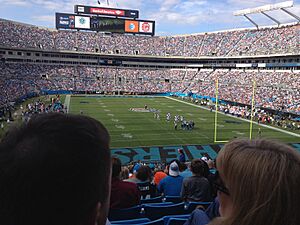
(137, 129)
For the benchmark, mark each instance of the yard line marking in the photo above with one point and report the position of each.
(120, 127)
(204, 119)
(115, 120)
(67, 102)
(238, 133)
(110, 114)
(178, 110)
(189, 114)
(262, 125)
(127, 135)
(107, 110)
(220, 125)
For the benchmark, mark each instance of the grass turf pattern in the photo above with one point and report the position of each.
(136, 129)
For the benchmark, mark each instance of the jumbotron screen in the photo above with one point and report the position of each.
(104, 24)
(128, 13)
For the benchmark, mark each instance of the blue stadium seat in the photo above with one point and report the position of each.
(133, 221)
(154, 222)
(176, 221)
(174, 199)
(158, 204)
(167, 218)
(152, 200)
(191, 206)
(125, 214)
(154, 212)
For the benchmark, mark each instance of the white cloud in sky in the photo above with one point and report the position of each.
(14, 2)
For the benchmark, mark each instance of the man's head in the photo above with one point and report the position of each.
(55, 170)
(198, 167)
(116, 167)
(174, 169)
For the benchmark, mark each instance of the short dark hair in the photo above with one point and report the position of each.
(143, 173)
(54, 170)
(198, 167)
(116, 167)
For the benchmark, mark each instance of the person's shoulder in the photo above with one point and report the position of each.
(127, 184)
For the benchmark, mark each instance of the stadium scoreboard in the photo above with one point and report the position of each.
(102, 19)
(128, 13)
(104, 24)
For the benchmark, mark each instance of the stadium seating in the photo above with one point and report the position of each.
(174, 199)
(176, 221)
(133, 221)
(155, 212)
(273, 40)
(125, 214)
(152, 200)
(17, 80)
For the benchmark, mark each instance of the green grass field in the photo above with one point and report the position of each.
(136, 129)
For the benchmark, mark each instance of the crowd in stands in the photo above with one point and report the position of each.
(60, 167)
(274, 90)
(189, 181)
(265, 41)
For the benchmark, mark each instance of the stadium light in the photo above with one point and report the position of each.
(263, 9)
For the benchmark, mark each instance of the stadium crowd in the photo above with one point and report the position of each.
(59, 167)
(274, 90)
(265, 41)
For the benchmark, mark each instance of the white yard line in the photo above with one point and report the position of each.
(67, 102)
(263, 125)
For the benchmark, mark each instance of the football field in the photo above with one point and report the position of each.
(131, 126)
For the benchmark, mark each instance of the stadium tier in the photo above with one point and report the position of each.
(276, 89)
(17, 80)
(276, 40)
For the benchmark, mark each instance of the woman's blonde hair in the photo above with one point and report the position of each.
(263, 178)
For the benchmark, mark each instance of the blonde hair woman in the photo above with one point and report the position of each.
(259, 184)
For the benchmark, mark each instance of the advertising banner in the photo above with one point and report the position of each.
(104, 24)
(131, 26)
(146, 27)
(82, 22)
(65, 21)
(128, 13)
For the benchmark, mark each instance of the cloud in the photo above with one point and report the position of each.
(48, 19)
(14, 2)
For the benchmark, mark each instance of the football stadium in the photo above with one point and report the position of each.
(194, 129)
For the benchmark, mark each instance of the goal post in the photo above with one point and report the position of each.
(217, 112)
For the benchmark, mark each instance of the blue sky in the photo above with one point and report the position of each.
(171, 16)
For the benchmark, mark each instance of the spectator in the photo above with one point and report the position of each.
(171, 185)
(186, 170)
(124, 173)
(55, 170)
(196, 188)
(181, 156)
(133, 178)
(255, 178)
(123, 194)
(158, 176)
